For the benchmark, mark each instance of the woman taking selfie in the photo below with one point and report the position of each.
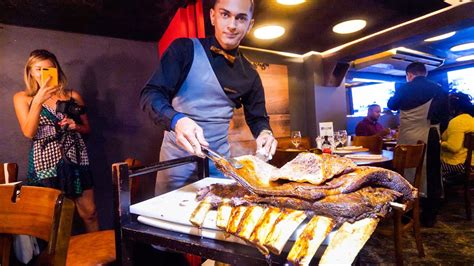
(52, 116)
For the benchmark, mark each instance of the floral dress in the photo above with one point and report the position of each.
(47, 167)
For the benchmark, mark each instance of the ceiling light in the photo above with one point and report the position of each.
(349, 26)
(462, 47)
(465, 58)
(441, 37)
(291, 2)
(269, 32)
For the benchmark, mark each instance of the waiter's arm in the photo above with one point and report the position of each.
(395, 101)
(156, 96)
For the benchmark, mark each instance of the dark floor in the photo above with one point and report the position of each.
(449, 242)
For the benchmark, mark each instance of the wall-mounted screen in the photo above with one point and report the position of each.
(462, 80)
(363, 96)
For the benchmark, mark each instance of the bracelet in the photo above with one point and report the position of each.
(269, 132)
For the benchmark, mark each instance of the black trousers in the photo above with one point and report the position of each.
(430, 205)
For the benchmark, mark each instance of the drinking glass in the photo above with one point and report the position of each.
(342, 137)
(337, 139)
(296, 138)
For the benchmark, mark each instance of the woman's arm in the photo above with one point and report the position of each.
(28, 114)
(84, 127)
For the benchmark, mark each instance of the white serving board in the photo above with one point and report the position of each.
(171, 211)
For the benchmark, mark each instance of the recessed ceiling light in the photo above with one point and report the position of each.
(291, 2)
(349, 26)
(465, 58)
(462, 47)
(441, 37)
(269, 32)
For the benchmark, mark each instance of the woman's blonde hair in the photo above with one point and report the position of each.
(32, 86)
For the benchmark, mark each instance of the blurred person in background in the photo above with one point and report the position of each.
(370, 126)
(423, 106)
(53, 134)
(453, 152)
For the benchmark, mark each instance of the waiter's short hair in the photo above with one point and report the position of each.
(252, 5)
(416, 68)
(372, 106)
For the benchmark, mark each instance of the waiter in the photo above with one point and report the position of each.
(423, 105)
(195, 89)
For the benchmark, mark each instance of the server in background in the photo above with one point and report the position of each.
(423, 105)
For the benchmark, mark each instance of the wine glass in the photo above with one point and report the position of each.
(296, 138)
(342, 137)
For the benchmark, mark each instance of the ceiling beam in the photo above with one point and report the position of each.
(451, 18)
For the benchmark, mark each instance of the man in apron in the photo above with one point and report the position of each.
(195, 89)
(420, 102)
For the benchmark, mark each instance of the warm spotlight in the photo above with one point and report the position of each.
(349, 26)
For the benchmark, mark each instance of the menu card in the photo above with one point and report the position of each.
(326, 129)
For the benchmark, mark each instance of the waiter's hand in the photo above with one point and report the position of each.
(266, 144)
(190, 136)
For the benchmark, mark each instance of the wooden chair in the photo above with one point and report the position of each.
(40, 212)
(124, 182)
(406, 157)
(468, 172)
(8, 174)
(373, 143)
(95, 248)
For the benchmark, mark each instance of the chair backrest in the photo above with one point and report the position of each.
(40, 212)
(8, 173)
(469, 145)
(285, 143)
(410, 156)
(125, 186)
(373, 143)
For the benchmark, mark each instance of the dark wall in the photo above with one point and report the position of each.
(109, 74)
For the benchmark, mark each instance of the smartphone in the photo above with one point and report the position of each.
(47, 72)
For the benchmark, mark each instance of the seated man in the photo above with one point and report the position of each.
(370, 126)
